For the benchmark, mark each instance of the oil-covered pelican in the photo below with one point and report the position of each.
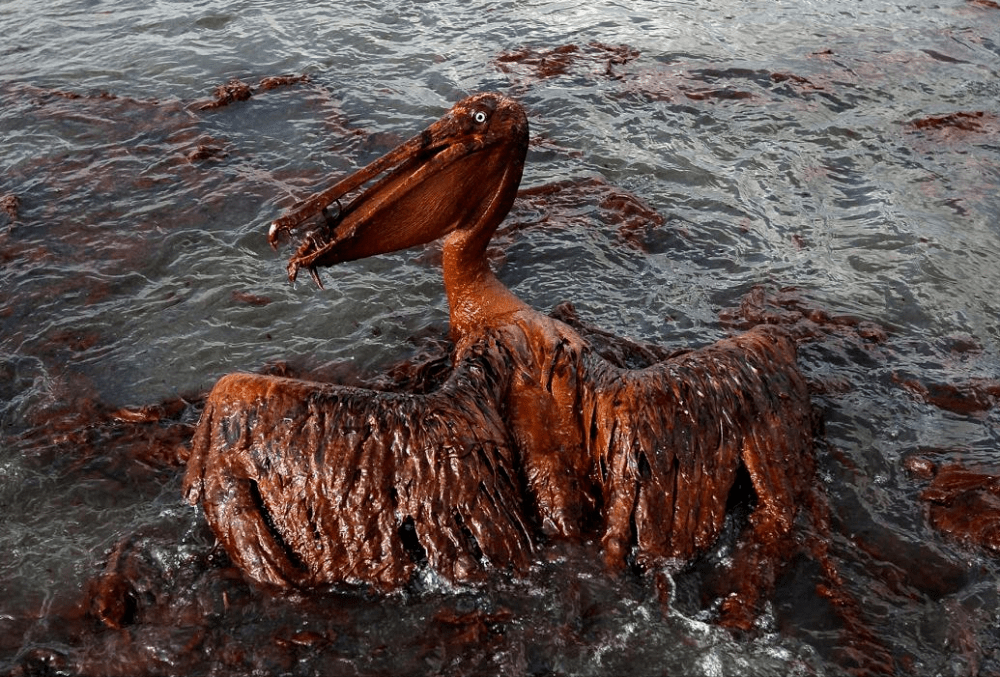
(533, 436)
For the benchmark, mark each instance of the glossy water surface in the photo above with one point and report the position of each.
(685, 154)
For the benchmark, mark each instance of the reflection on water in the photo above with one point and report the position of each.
(683, 156)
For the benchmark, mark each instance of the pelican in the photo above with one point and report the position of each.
(534, 437)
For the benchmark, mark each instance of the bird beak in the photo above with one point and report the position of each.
(420, 191)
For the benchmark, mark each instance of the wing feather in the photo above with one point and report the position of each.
(670, 438)
(307, 484)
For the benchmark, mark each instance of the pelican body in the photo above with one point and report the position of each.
(534, 436)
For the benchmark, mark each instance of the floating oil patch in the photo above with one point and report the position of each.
(9, 204)
(237, 90)
(558, 205)
(975, 396)
(594, 58)
(977, 121)
(962, 503)
(677, 82)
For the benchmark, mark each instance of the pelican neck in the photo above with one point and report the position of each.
(477, 299)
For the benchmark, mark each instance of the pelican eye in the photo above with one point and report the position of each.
(479, 116)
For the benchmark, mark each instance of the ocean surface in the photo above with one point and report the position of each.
(839, 160)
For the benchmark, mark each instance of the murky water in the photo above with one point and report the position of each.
(702, 150)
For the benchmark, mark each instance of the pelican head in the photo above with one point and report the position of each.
(461, 173)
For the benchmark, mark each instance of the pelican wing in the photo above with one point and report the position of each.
(307, 484)
(669, 439)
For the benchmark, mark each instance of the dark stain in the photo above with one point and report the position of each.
(250, 299)
(964, 505)
(966, 121)
(236, 90)
(542, 63)
(974, 396)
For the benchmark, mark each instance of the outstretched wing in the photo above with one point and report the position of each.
(669, 439)
(306, 484)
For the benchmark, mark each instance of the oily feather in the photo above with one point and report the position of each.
(307, 484)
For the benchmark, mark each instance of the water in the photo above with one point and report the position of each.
(778, 144)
